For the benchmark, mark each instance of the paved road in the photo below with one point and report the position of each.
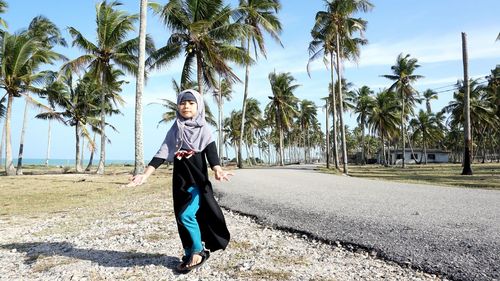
(446, 230)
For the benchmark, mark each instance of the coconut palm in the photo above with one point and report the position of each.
(201, 29)
(2, 107)
(223, 92)
(484, 121)
(20, 58)
(139, 89)
(481, 109)
(404, 77)
(426, 125)
(111, 49)
(80, 105)
(232, 129)
(261, 16)
(334, 29)
(364, 102)
(307, 118)
(493, 89)
(48, 35)
(3, 8)
(283, 105)
(323, 46)
(253, 122)
(382, 119)
(428, 96)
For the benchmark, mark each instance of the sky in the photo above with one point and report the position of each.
(428, 30)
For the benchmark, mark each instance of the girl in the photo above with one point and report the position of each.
(189, 144)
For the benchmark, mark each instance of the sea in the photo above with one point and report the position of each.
(66, 162)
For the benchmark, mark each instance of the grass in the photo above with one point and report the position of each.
(484, 175)
(37, 194)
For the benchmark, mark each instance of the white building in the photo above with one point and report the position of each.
(433, 156)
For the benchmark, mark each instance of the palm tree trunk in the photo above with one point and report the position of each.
(19, 170)
(244, 107)
(384, 161)
(280, 128)
(249, 156)
(91, 155)
(341, 108)
(425, 152)
(411, 148)
(363, 157)
(139, 150)
(235, 146)
(334, 113)
(78, 164)
(199, 73)
(102, 152)
(9, 166)
(81, 151)
(49, 136)
(2, 141)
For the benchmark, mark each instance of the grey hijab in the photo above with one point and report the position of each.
(186, 134)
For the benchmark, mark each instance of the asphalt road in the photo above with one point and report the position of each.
(451, 231)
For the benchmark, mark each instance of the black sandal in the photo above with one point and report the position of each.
(184, 268)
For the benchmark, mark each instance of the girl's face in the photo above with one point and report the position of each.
(188, 109)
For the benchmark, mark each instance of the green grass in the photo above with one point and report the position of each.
(484, 175)
(36, 195)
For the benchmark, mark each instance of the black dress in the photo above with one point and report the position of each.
(193, 171)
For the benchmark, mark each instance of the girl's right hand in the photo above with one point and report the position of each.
(136, 180)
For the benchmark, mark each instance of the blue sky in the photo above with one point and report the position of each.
(428, 30)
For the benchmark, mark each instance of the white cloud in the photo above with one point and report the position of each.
(432, 49)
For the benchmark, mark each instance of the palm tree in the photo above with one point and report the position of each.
(139, 89)
(426, 125)
(203, 31)
(404, 77)
(484, 121)
(335, 28)
(232, 129)
(223, 92)
(346, 46)
(20, 57)
(382, 119)
(80, 105)
(111, 49)
(283, 105)
(2, 116)
(261, 16)
(428, 96)
(307, 119)
(48, 35)
(364, 103)
(253, 123)
(322, 46)
(493, 89)
(3, 8)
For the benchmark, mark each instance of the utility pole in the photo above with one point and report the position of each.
(467, 170)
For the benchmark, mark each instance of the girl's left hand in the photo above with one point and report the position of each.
(221, 174)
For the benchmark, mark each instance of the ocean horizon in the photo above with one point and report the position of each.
(66, 162)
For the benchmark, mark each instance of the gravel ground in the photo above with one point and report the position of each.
(138, 241)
